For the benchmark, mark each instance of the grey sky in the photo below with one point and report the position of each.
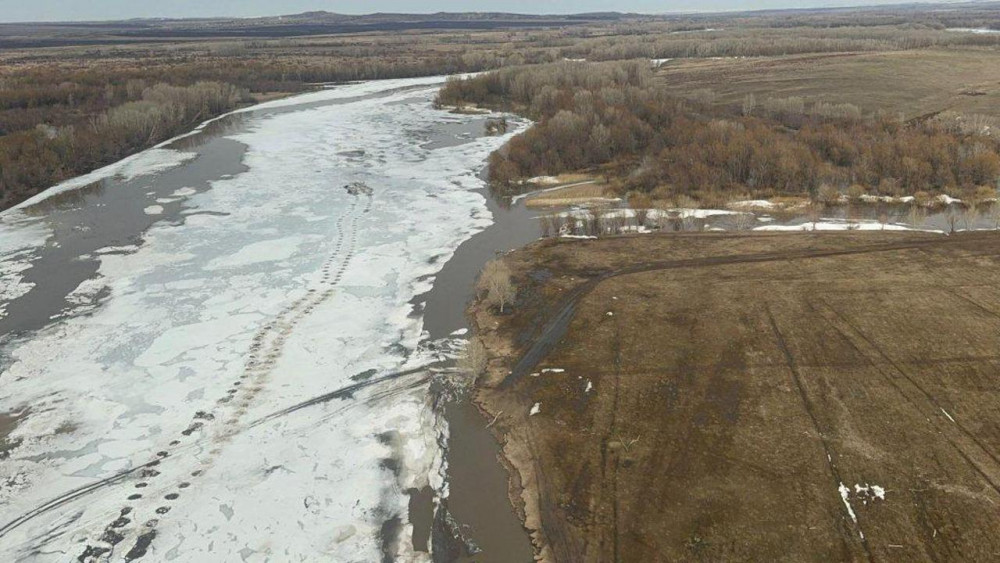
(66, 10)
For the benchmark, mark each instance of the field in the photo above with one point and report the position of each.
(913, 83)
(716, 397)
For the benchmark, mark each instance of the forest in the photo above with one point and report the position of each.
(614, 118)
(69, 109)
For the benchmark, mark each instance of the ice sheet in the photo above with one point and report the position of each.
(221, 321)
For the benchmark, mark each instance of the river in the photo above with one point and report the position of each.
(214, 350)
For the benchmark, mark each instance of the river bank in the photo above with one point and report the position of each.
(741, 379)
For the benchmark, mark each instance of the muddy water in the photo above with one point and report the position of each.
(477, 482)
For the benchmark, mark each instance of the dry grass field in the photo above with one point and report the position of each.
(754, 398)
(915, 83)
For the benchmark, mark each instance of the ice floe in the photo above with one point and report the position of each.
(213, 327)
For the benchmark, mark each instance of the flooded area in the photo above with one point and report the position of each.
(224, 346)
(255, 328)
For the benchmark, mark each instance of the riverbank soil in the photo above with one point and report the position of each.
(758, 397)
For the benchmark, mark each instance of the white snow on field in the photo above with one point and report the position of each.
(973, 30)
(869, 493)
(535, 409)
(543, 180)
(845, 494)
(751, 204)
(838, 225)
(177, 331)
(654, 214)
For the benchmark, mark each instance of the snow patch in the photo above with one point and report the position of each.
(845, 494)
(839, 225)
(751, 204)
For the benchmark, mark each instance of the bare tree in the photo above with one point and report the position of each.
(852, 218)
(815, 211)
(497, 283)
(470, 364)
(693, 223)
(970, 216)
(546, 224)
(745, 221)
(641, 215)
(995, 214)
(916, 216)
(474, 358)
(749, 104)
(951, 218)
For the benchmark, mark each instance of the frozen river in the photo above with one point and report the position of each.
(211, 351)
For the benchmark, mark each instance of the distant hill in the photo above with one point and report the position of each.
(44, 34)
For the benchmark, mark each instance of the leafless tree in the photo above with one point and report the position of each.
(951, 219)
(692, 223)
(852, 218)
(749, 104)
(470, 364)
(815, 211)
(497, 283)
(995, 214)
(641, 215)
(970, 216)
(745, 221)
(883, 219)
(474, 358)
(917, 216)
(545, 222)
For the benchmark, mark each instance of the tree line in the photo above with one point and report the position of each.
(37, 158)
(612, 117)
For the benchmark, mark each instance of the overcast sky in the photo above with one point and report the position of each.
(65, 10)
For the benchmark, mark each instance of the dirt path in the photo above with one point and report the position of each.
(811, 397)
(555, 328)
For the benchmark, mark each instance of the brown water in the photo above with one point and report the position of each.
(477, 482)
